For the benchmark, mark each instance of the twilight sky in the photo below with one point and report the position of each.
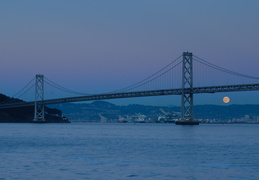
(96, 46)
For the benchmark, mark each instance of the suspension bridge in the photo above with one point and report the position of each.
(177, 79)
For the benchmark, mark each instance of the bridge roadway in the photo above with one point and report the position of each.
(195, 90)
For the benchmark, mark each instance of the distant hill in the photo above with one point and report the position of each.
(225, 112)
(26, 114)
(91, 111)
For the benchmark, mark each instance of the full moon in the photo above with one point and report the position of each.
(226, 99)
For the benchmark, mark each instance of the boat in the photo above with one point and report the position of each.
(122, 119)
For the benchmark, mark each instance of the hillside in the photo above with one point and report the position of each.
(92, 111)
(26, 114)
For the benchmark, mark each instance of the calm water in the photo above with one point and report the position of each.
(128, 151)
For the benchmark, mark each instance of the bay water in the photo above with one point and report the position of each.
(129, 151)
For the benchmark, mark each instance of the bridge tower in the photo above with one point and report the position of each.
(39, 96)
(187, 94)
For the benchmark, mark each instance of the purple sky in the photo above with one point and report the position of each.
(97, 46)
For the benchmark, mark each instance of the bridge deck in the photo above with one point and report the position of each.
(163, 92)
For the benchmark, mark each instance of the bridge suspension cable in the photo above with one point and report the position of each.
(20, 93)
(204, 62)
(55, 85)
(152, 77)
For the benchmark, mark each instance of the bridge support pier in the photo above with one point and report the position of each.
(187, 95)
(39, 113)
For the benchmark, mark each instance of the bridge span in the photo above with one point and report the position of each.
(120, 95)
(186, 91)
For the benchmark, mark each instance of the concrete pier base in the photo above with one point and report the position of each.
(187, 123)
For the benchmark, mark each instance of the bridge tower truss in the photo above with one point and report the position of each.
(187, 83)
(39, 113)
